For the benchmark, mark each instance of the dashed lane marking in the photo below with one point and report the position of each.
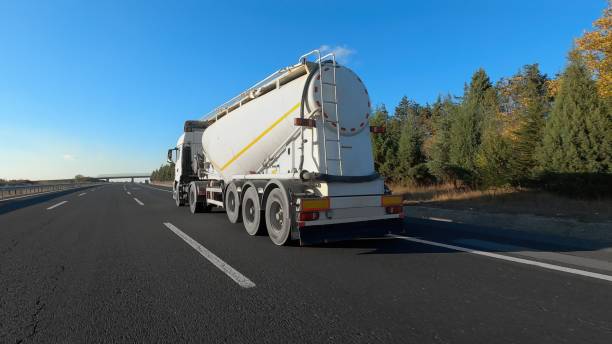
(138, 201)
(57, 205)
(232, 273)
(439, 219)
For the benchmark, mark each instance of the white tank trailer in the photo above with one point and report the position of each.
(291, 155)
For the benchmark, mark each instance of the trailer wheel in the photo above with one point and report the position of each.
(194, 205)
(251, 212)
(277, 217)
(232, 203)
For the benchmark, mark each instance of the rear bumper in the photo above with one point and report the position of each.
(347, 231)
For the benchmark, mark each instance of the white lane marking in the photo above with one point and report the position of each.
(239, 278)
(81, 194)
(439, 219)
(57, 205)
(138, 201)
(536, 254)
(129, 193)
(511, 259)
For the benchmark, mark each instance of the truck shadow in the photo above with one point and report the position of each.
(19, 203)
(468, 236)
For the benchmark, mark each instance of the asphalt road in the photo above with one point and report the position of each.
(108, 266)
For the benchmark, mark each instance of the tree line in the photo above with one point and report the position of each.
(527, 129)
(163, 173)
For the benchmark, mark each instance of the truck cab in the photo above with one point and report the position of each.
(187, 159)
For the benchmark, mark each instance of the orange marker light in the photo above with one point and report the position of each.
(390, 200)
(314, 204)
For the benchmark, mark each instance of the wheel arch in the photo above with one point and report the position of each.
(276, 184)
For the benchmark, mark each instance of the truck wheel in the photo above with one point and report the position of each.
(177, 197)
(277, 217)
(251, 212)
(232, 203)
(194, 205)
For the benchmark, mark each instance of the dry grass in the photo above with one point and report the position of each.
(507, 200)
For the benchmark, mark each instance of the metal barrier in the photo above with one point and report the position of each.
(12, 191)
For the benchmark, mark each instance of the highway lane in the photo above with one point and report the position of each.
(102, 267)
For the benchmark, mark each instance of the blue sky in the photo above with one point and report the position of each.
(104, 87)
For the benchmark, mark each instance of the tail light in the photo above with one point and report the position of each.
(309, 216)
(396, 209)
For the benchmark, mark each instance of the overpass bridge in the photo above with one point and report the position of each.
(131, 176)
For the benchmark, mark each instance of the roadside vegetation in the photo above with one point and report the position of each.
(164, 173)
(525, 132)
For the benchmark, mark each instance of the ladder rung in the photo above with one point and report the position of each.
(330, 102)
(328, 83)
(333, 159)
(333, 140)
(330, 121)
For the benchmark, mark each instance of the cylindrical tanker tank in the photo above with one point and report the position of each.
(238, 142)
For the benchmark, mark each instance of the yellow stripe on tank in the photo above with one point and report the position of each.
(260, 136)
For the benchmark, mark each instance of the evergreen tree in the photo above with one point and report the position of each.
(442, 113)
(578, 134)
(531, 112)
(466, 127)
(390, 168)
(409, 152)
(494, 156)
(405, 109)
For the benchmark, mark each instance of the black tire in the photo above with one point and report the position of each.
(177, 198)
(251, 212)
(278, 219)
(194, 205)
(232, 203)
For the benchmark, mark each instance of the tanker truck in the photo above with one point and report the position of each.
(290, 156)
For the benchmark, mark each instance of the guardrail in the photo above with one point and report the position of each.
(24, 190)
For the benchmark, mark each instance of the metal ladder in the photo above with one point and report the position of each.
(334, 102)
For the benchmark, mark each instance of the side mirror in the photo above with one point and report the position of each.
(169, 159)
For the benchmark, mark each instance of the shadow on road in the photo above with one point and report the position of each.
(384, 246)
(456, 234)
(12, 205)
